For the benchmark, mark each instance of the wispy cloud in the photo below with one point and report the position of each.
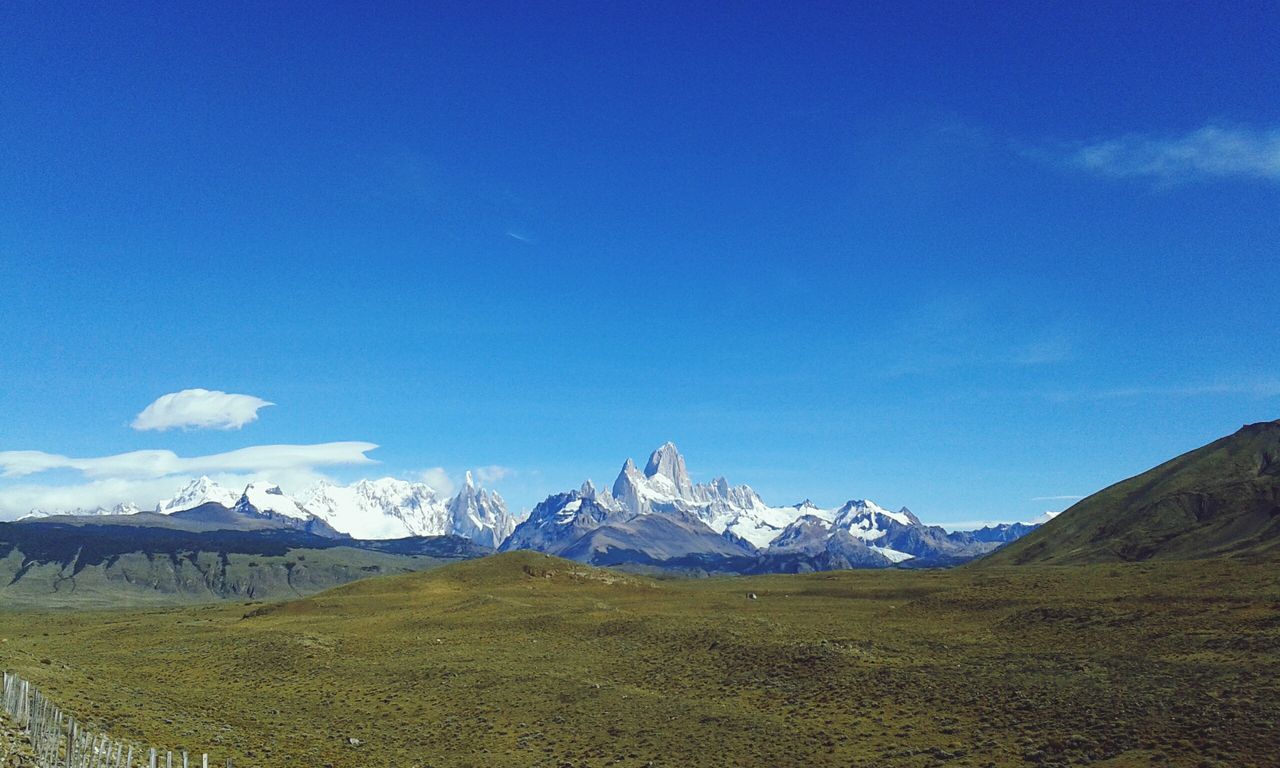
(1211, 152)
(1257, 388)
(445, 482)
(439, 480)
(199, 409)
(973, 332)
(20, 498)
(154, 464)
(520, 237)
(492, 474)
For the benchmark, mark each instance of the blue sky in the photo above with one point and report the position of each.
(958, 258)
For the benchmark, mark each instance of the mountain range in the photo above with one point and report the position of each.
(659, 517)
(368, 510)
(655, 517)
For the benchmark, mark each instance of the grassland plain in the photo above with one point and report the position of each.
(526, 660)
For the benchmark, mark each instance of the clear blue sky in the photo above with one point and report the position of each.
(952, 256)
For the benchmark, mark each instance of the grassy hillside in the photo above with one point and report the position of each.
(115, 564)
(526, 660)
(1222, 499)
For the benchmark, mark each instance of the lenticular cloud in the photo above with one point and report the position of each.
(144, 464)
(199, 409)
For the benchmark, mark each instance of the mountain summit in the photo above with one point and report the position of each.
(668, 463)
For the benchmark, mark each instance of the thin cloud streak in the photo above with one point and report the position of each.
(143, 464)
(19, 499)
(1208, 153)
(1265, 388)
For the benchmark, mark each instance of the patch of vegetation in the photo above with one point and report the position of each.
(1219, 500)
(44, 565)
(526, 660)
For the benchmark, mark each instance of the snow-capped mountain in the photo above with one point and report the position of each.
(704, 521)
(263, 497)
(653, 517)
(594, 527)
(480, 515)
(564, 518)
(664, 486)
(202, 490)
(379, 509)
(369, 509)
(392, 509)
(124, 508)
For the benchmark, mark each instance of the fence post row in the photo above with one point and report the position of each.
(58, 741)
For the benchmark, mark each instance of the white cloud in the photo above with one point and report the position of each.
(152, 464)
(1044, 517)
(445, 483)
(1210, 152)
(19, 499)
(199, 409)
(491, 474)
(439, 480)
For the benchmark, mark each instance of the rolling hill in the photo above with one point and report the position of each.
(1219, 500)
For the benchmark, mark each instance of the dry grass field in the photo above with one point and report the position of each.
(526, 660)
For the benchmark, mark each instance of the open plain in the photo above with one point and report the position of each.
(527, 660)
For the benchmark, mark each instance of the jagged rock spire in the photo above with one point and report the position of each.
(668, 462)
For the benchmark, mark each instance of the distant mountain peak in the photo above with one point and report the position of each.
(263, 497)
(199, 491)
(667, 462)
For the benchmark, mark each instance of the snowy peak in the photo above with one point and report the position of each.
(911, 516)
(379, 509)
(263, 497)
(391, 509)
(124, 508)
(666, 462)
(1044, 517)
(480, 515)
(806, 533)
(202, 490)
(631, 487)
(870, 515)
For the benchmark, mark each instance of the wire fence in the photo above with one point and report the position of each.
(58, 740)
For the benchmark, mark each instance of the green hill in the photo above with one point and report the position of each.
(161, 560)
(1219, 500)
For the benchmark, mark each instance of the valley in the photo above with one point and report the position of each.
(522, 659)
